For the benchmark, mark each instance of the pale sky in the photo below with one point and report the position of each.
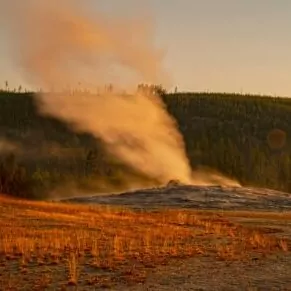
(212, 45)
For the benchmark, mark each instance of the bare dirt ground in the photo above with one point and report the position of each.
(171, 238)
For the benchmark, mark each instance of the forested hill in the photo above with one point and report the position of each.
(243, 136)
(247, 137)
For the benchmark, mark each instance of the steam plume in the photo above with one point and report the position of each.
(58, 43)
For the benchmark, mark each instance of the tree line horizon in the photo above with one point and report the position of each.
(246, 137)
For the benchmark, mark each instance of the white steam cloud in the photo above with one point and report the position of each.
(58, 43)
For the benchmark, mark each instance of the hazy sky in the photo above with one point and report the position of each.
(213, 45)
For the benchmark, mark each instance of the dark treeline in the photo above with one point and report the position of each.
(242, 136)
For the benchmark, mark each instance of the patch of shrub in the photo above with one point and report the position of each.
(15, 180)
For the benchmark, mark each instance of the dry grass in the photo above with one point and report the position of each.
(59, 246)
(268, 215)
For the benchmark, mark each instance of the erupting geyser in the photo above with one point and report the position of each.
(58, 43)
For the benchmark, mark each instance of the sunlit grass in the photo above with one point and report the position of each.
(69, 245)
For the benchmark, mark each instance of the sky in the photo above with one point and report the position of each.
(241, 46)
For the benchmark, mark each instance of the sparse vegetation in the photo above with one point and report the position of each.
(57, 245)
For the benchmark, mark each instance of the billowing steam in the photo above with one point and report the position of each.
(58, 44)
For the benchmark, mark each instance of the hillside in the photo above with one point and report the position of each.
(245, 137)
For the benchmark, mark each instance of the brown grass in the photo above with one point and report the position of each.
(268, 215)
(54, 245)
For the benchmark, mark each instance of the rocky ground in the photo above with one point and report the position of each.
(197, 197)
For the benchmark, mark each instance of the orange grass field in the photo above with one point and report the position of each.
(55, 246)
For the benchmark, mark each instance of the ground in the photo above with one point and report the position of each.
(72, 246)
(196, 197)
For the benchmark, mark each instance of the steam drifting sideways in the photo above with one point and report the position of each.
(58, 43)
